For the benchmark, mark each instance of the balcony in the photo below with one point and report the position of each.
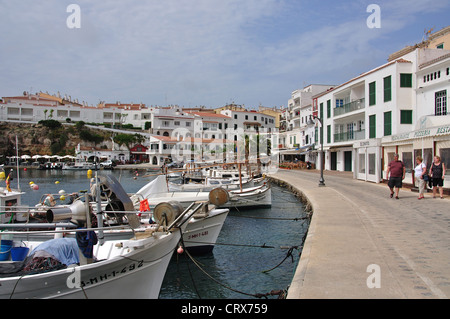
(350, 136)
(350, 107)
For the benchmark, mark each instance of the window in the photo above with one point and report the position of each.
(406, 117)
(387, 89)
(339, 102)
(405, 80)
(387, 123)
(362, 163)
(440, 46)
(372, 93)
(445, 158)
(246, 117)
(372, 126)
(235, 116)
(372, 161)
(176, 123)
(407, 159)
(441, 103)
(321, 111)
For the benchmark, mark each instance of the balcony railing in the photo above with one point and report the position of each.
(350, 136)
(349, 107)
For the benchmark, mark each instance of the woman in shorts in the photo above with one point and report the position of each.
(437, 172)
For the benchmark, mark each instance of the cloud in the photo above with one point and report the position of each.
(202, 52)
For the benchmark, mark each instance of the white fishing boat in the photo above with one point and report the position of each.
(203, 229)
(78, 166)
(113, 268)
(258, 196)
(132, 268)
(210, 183)
(157, 191)
(199, 236)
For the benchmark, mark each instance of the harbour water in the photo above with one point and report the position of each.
(256, 253)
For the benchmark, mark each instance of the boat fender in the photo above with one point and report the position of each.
(89, 173)
(219, 196)
(167, 212)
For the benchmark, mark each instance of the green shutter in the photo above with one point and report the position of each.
(405, 116)
(328, 108)
(372, 94)
(387, 89)
(405, 80)
(316, 135)
(372, 126)
(321, 111)
(387, 123)
(328, 133)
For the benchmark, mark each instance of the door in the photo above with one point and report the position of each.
(348, 161)
(333, 161)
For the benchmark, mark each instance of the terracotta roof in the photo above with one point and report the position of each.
(169, 139)
(207, 114)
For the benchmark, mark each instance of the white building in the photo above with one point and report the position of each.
(390, 109)
(299, 134)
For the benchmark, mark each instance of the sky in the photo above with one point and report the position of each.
(201, 52)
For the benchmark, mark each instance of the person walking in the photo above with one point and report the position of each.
(395, 174)
(419, 171)
(437, 172)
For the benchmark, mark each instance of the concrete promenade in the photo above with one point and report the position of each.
(356, 225)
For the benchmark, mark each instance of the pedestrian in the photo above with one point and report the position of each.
(437, 172)
(419, 171)
(395, 175)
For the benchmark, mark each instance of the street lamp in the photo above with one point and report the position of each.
(321, 180)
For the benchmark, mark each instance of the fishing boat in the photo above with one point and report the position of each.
(157, 191)
(78, 166)
(200, 235)
(90, 265)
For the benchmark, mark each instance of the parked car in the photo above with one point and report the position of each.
(107, 164)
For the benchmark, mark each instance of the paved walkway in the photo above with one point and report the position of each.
(360, 236)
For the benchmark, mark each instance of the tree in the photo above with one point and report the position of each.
(125, 139)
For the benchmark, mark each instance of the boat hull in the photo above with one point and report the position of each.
(201, 233)
(135, 270)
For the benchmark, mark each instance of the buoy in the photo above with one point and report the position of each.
(31, 183)
(57, 182)
(89, 173)
(25, 169)
(180, 250)
(62, 197)
(35, 187)
(2, 175)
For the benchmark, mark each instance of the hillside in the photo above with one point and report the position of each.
(38, 139)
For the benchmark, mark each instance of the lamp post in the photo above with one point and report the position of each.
(321, 180)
